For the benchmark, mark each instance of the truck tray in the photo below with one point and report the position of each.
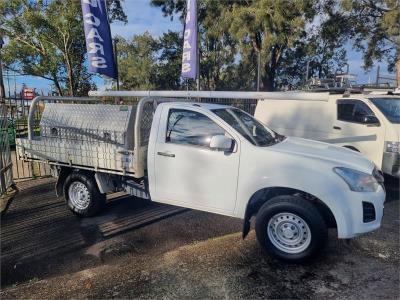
(98, 137)
(101, 156)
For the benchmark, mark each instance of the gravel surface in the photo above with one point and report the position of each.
(201, 255)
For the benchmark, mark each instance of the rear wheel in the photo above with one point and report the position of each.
(82, 194)
(290, 228)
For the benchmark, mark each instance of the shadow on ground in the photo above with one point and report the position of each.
(139, 249)
(41, 237)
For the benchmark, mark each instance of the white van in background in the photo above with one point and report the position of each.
(369, 124)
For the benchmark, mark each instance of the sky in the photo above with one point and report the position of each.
(143, 17)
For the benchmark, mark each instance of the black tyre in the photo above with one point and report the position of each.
(82, 194)
(290, 228)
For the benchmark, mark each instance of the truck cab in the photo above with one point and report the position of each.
(370, 124)
(220, 159)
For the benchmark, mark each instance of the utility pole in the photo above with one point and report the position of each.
(307, 70)
(398, 71)
(258, 70)
(198, 69)
(257, 47)
(116, 61)
(377, 76)
(2, 90)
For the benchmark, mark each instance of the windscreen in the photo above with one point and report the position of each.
(390, 107)
(252, 130)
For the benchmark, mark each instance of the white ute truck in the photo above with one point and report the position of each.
(212, 158)
(366, 123)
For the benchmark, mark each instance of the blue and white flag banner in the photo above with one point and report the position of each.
(189, 55)
(98, 38)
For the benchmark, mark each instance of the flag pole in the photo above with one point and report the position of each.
(198, 67)
(116, 61)
(198, 51)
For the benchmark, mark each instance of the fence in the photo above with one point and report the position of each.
(6, 179)
(16, 114)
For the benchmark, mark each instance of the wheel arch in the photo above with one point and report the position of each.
(351, 148)
(63, 175)
(263, 195)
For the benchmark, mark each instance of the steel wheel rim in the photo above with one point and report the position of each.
(289, 233)
(79, 195)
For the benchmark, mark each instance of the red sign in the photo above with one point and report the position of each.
(28, 94)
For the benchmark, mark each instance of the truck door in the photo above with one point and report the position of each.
(187, 172)
(354, 128)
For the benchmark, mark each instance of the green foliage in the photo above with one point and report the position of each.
(136, 59)
(169, 48)
(147, 63)
(271, 27)
(48, 41)
(232, 33)
(376, 29)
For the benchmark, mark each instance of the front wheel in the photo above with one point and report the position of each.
(290, 228)
(82, 194)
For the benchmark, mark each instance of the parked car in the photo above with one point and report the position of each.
(369, 124)
(212, 158)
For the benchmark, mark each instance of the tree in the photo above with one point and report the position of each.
(137, 62)
(376, 30)
(47, 40)
(271, 27)
(321, 50)
(277, 29)
(169, 61)
(151, 63)
(216, 45)
(284, 32)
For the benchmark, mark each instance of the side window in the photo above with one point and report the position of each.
(360, 111)
(345, 111)
(191, 128)
(352, 111)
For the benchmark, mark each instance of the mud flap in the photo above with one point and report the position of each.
(62, 175)
(246, 223)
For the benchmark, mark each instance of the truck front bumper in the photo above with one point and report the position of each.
(391, 163)
(363, 213)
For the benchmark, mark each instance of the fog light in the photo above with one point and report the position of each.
(393, 147)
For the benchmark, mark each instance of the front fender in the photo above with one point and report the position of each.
(322, 184)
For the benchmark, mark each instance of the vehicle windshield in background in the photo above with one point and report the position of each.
(390, 107)
(251, 129)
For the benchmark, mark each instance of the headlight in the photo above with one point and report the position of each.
(357, 181)
(392, 146)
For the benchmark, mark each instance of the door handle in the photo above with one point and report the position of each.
(166, 154)
(337, 127)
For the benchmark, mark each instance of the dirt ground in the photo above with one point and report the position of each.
(141, 250)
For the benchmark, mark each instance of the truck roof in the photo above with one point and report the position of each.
(381, 96)
(365, 96)
(208, 106)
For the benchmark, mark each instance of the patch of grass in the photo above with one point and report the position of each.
(33, 280)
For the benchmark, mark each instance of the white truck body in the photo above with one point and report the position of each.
(220, 159)
(201, 181)
(338, 120)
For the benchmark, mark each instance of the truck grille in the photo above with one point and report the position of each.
(368, 212)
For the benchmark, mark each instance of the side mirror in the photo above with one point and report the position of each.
(371, 120)
(222, 143)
